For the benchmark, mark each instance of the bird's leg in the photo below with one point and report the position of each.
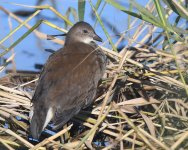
(65, 137)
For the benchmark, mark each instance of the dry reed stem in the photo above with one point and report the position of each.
(109, 92)
(134, 127)
(11, 90)
(10, 132)
(154, 139)
(13, 99)
(38, 34)
(90, 133)
(6, 145)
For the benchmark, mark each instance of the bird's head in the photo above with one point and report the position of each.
(82, 32)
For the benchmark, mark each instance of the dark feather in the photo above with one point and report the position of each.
(67, 83)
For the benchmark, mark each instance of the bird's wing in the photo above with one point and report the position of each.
(67, 83)
(63, 115)
(65, 77)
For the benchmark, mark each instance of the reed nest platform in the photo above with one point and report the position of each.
(135, 107)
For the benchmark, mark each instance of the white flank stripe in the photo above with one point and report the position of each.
(31, 114)
(48, 117)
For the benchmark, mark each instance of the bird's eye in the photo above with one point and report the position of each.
(85, 31)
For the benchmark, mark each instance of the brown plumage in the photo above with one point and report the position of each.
(69, 79)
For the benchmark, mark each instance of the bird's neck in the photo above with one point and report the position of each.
(81, 45)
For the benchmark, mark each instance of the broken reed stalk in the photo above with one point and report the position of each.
(109, 91)
(10, 132)
(139, 131)
(94, 128)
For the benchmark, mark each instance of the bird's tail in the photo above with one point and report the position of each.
(39, 121)
(36, 126)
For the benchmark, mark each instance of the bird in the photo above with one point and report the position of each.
(69, 79)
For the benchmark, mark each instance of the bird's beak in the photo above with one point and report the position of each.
(97, 38)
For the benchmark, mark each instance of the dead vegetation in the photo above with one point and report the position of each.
(141, 101)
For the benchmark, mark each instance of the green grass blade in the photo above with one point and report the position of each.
(22, 24)
(98, 4)
(165, 25)
(54, 26)
(143, 15)
(99, 14)
(22, 38)
(148, 17)
(177, 8)
(71, 11)
(161, 13)
(61, 16)
(81, 9)
(103, 27)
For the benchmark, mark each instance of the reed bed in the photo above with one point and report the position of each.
(141, 101)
